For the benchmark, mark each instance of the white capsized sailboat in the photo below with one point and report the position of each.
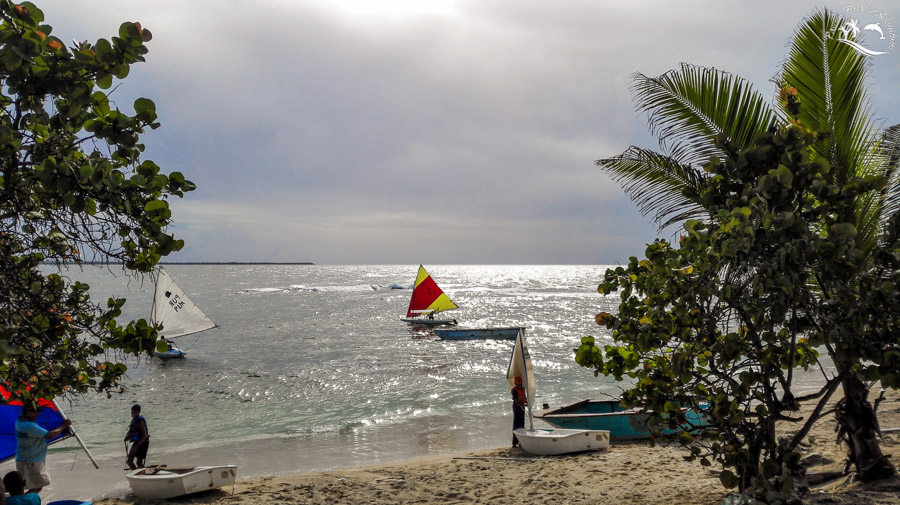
(546, 442)
(163, 482)
(176, 313)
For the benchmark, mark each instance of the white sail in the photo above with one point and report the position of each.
(174, 310)
(520, 366)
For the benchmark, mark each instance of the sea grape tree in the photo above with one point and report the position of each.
(690, 107)
(73, 188)
(746, 299)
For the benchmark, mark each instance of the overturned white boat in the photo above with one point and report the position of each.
(163, 482)
(545, 442)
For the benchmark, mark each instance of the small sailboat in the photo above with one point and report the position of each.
(427, 300)
(546, 442)
(176, 313)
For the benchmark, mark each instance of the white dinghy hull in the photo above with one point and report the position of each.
(162, 482)
(553, 442)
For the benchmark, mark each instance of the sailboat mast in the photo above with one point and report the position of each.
(154, 277)
(520, 366)
(529, 392)
(74, 434)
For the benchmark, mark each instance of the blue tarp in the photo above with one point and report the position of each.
(48, 418)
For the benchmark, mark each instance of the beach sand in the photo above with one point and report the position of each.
(625, 473)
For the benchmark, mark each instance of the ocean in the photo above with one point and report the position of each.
(311, 369)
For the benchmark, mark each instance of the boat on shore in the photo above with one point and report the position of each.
(427, 300)
(478, 333)
(163, 482)
(622, 423)
(545, 442)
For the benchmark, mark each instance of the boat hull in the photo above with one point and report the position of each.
(564, 441)
(170, 354)
(622, 423)
(161, 482)
(478, 333)
(424, 321)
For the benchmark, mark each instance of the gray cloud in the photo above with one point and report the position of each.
(332, 135)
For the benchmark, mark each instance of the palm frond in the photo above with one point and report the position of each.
(658, 184)
(689, 106)
(871, 210)
(888, 156)
(830, 78)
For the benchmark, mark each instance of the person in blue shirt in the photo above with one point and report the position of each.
(139, 437)
(15, 485)
(31, 448)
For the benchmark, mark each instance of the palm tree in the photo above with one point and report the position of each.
(688, 108)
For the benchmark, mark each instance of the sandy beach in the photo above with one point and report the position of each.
(626, 473)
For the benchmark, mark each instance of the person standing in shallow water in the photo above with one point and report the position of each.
(520, 400)
(139, 437)
(31, 448)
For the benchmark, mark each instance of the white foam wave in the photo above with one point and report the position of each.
(357, 288)
(263, 290)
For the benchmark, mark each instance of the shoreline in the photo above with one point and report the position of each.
(625, 473)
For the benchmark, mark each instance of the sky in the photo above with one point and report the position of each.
(424, 131)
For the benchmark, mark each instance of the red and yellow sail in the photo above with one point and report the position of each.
(427, 297)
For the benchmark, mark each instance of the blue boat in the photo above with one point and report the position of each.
(478, 333)
(622, 423)
(172, 352)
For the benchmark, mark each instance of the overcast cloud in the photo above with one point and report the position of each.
(417, 131)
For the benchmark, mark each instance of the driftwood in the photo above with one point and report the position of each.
(817, 479)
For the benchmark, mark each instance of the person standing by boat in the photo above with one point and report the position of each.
(31, 448)
(139, 437)
(520, 400)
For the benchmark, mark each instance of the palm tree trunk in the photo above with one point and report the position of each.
(858, 426)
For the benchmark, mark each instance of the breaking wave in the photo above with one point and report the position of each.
(358, 288)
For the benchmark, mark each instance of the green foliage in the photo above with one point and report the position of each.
(822, 85)
(749, 296)
(73, 189)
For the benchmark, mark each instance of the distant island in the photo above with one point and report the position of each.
(235, 263)
(200, 263)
